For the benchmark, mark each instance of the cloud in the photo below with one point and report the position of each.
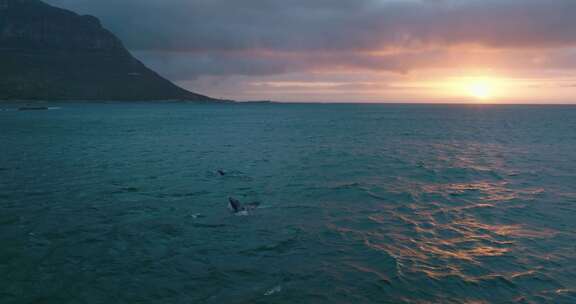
(186, 65)
(225, 47)
(259, 63)
(333, 25)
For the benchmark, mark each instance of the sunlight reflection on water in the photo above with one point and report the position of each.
(360, 204)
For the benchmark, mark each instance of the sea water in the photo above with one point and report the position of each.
(123, 203)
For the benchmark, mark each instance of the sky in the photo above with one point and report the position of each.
(485, 51)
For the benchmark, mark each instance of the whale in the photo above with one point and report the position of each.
(235, 205)
(237, 208)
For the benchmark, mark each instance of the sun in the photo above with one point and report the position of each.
(473, 88)
(481, 90)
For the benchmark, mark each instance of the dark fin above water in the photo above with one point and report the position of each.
(235, 205)
(221, 172)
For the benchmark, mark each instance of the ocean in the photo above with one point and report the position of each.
(123, 203)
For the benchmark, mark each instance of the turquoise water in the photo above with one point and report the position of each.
(122, 203)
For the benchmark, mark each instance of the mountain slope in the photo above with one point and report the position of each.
(50, 53)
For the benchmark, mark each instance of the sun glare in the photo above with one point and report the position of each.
(481, 88)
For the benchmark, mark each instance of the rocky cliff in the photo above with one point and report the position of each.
(50, 53)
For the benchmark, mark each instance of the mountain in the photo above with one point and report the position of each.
(48, 53)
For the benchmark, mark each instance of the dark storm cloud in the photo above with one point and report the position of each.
(177, 64)
(224, 25)
(188, 38)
